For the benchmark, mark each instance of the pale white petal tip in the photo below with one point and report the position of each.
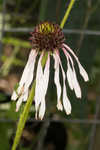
(18, 104)
(83, 73)
(14, 96)
(36, 116)
(82, 70)
(68, 110)
(86, 78)
(78, 94)
(41, 117)
(42, 111)
(59, 106)
(16, 109)
(67, 106)
(69, 77)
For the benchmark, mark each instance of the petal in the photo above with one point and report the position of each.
(25, 96)
(83, 72)
(18, 104)
(44, 85)
(69, 70)
(21, 99)
(29, 68)
(42, 109)
(66, 102)
(76, 85)
(81, 69)
(27, 76)
(74, 80)
(46, 75)
(14, 96)
(59, 105)
(57, 83)
(70, 76)
(39, 88)
(26, 80)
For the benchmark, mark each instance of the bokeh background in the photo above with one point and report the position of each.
(81, 129)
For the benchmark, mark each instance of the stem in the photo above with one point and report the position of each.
(67, 13)
(24, 115)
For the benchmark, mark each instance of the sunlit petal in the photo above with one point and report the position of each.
(42, 80)
(26, 78)
(66, 102)
(83, 72)
(25, 96)
(27, 75)
(14, 96)
(19, 102)
(57, 82)
(39, 88)
(44, 87)
(46, 75)
(42, 109)
(76, 85)
(72, 74)
(81, 69)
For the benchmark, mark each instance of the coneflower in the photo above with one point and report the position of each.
(48, 38)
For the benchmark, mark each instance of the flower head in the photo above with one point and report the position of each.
(48, 38)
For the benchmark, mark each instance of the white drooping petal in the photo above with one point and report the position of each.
(44, 85)
(39, 88)
(76, 85)
(83, 72)
(46, 75)
(26, 79)
(25, 96)
(19, 102)
(66, 102)
(21, 99)
(70, 75)
(42, 109)
(73, 76)
(14, 96)
(81, 69)
(27, 75)
(57, 82)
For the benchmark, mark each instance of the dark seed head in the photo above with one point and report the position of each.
(47, 36)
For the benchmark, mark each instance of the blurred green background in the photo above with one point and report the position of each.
(17, 19)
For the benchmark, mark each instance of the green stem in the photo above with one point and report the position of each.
(23, 118)
(24, 115)
(67, 13)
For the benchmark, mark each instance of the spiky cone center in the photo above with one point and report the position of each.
(47, 36)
